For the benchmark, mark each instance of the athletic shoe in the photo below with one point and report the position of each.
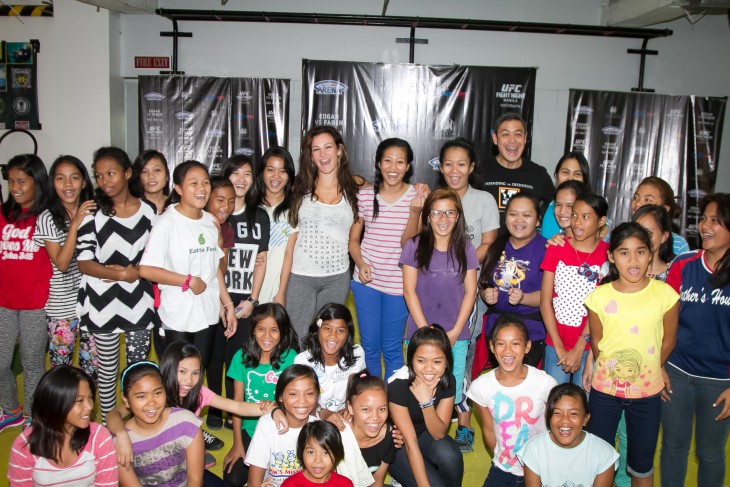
(11, 418)
(214, 422)
(465, 439)
(394, 483)
(209, 460)
(228, 424)
(211, 442)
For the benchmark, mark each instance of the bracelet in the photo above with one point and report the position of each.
(428, 404)
(186, 285)
(228, 304)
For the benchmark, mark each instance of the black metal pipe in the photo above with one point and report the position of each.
(412, 50)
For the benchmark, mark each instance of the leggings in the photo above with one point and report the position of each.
(305, 295)
(30, 327)
(107, 348)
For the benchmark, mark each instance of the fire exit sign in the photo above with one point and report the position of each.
(151, 62)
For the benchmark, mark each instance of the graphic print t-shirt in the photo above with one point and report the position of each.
(248, 242)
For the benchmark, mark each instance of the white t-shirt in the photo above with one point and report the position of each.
(333, 379)
(480, 214)
(274, 452)
(324, 235)
(186, 246)
(518, 412)
(353, 466)
(280, 231)
(559, 466)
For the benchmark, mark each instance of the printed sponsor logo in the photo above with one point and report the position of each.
(332, 119)
(214, 150)
(244, 151)
(244, 116)
(697, 193)
(21, 106)
(435, 164)
(329, 87)
(584, 110)
(214, 133)
(243, 131)
(707, 116)
(215, 97)
(675, 113)
(154, 131)
(446, 92)
(154, 96)
(610, 130)
(704, 135)
(185, 132)
(244, 96)
(184, 115)
(511, 92)
(273, 97)
(271, 115)
(640, 151)
(447, 128)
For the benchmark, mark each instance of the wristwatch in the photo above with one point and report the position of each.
(587, 337)
(255, 302)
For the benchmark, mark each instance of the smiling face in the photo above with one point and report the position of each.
(569, 170)
(111, 177)
(195, 189)
(298, 401)
(564, 200)
(267, 334)
(146, 400)
(242, 179)
(632, 259)
(79, 416)
(68, 183)
(317, 462)
(275, 177)
(585, 222)
(443, 216)
(222, 202)
(521, 220)
(567, 422)
(332, 337)
(21, 187)
(429, 364)
(394, 165)
(369, 411)
(646, 194)
(325, 153)
(715, 237)
(153, 177)
(510, 139)
(188, 375)
(509, 348)
(456, 168)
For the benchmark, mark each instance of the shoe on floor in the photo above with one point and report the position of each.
(11, 418)
(214, 422)
(209, 460)
(228, 424)
(211, 442)
(465, 439)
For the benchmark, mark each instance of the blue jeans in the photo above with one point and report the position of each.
(556, 371)
(443, 461)
(692, 399)
(642, 427)
(381, 319)
(496, 477)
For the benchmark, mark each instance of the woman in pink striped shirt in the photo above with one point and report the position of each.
(389, 213)
(63, 447)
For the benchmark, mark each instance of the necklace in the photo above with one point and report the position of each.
(584, 269)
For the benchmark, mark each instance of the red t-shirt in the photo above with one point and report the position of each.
(299, 480)
(25, 269)
(576, 275)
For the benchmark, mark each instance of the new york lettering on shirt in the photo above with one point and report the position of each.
(242, 259)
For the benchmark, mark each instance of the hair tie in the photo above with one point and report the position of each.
(363, 375)
(121, 382)
(319, 322)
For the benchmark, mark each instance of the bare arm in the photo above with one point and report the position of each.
(671, 322)
(286, 270)
(413, 226)
(364, 270)
(410, 278)
(596, 328)
(62, 255)
(531, 478)
(237, 450)
(488, 239)
(127, 478)
(255, 476)
(605, 478)
(108, 272)
(487, 426)
(467, 305)
(123, 444)
(195, 460)
(438, 419)
(402, 420)
(548, 312)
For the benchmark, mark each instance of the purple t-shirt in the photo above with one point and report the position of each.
(439, 288)
(519, 268)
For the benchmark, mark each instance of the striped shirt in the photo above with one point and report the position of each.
(380, 245)
(64, 289)
(95, 465)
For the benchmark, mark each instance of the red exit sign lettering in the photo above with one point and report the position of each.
(151, 62)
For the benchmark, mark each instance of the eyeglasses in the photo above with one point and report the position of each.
(450, 214)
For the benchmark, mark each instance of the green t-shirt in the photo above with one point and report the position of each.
(259, 383)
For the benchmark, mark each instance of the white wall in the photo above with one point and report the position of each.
(73, 82)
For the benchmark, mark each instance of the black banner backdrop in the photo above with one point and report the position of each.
(207, 119)
(425, 105)
(629, 136)
(18, 85)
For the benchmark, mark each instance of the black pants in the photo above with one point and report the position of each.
(202, 339)
(238, 475)
(215, 369)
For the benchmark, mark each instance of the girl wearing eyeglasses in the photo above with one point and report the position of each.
(440, 275)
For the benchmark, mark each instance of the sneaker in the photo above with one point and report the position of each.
(465, 439)
(209, 460)
(228, 424)
(211, 442)
(214, 422)
(11, 418)
(394, 483)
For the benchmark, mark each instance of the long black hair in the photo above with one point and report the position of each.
(618, 235)
(329, 312)
(259, 189)
(494, 253)
(379, 153)
(664, 222)
(54, 205)
(721, 275)
(436, 336)
(585, 168)
(178, 176)
(231, 165)
(326, 436)
(135, 182)
(175, 353)
(53, 399)
(33, 167)
(427, 240)
(288, 339)
(104, 201)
